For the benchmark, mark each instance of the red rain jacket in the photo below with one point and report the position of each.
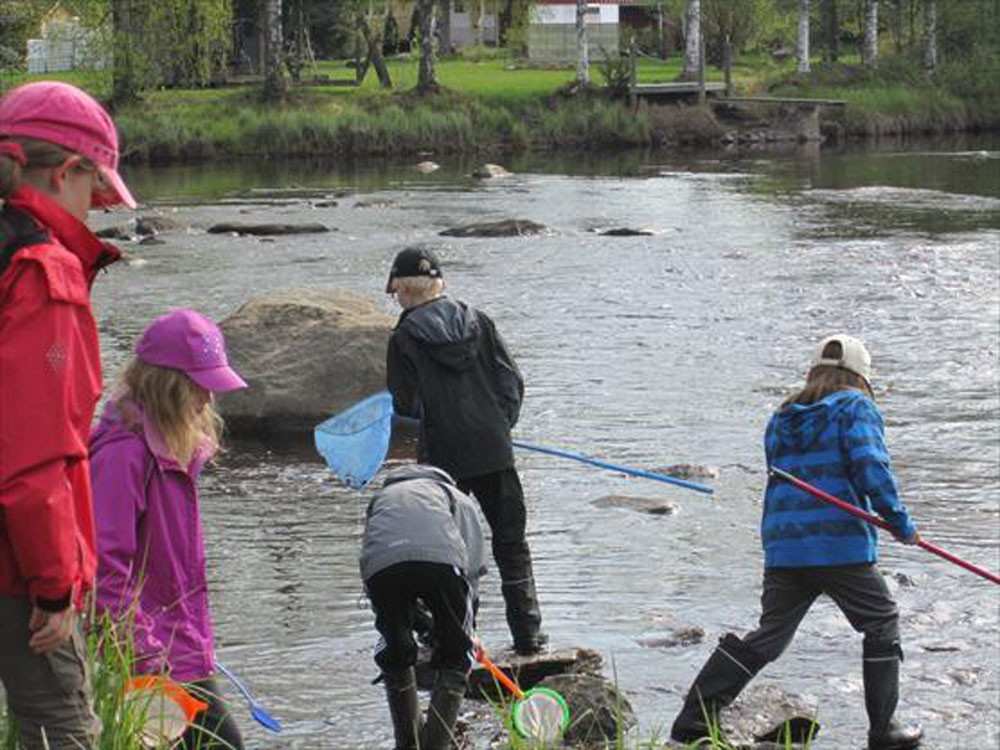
(50, 381)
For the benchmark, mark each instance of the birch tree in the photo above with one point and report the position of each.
(831, 31)
(425, 70)
(275, 84)
(444, 29)
(930, 35)
(803, 46)
(869, 46)
(582, 55)
(692, 47)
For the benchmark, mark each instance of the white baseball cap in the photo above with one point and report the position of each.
(854, 357)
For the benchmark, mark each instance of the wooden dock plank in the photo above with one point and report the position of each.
(780, 100)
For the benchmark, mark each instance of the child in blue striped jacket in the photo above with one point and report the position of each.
(829, 434)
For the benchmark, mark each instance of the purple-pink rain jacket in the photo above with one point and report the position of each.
(150, 556)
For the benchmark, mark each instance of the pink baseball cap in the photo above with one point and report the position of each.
(63, 114)
(186, 340)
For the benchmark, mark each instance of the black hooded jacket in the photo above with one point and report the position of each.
(448, 367)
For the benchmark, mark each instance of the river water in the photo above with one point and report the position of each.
(644, 351)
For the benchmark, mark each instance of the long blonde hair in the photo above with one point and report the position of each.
(826, 379)
(169, 400)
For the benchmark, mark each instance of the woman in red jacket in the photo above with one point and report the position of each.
(58, 159)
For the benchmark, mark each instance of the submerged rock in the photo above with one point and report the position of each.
(490, 172)
(266, 230)
(121, 232)
(306, 355)
(157, 224)
(505, 228)
(375, 203)
(653, 506)
(690, 471)
(680, 637)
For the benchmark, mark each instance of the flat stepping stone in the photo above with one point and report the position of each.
(526, 671)
(267, 230)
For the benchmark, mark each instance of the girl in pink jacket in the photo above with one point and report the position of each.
(146, 454)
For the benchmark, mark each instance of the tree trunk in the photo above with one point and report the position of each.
(479, 22)
(275, 85)
(444, 29)
(582, 55)
(425, 72)
(930, 35)
(831, 31)
(803, 46)
(693, 41)
(374, 52)
(869, 47)
(124, 81)
(896, 26)
(664, 52)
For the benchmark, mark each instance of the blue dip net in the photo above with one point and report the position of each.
(355, 442)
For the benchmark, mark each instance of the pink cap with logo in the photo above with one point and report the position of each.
(186, 340)
(63, 114)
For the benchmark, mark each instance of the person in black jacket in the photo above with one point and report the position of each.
(448, 367)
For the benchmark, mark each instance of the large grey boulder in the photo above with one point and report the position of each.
(306, 355)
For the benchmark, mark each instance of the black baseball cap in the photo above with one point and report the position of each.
(413, 261)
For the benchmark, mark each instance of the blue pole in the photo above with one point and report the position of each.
(615, 467)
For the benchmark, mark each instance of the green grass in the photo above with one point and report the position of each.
(110, 663)
(492, 100)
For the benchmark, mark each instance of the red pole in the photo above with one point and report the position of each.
(855, 511)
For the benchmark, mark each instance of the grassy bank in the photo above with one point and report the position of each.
(495, 102)
(898, 98)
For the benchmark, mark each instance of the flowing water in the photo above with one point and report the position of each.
(645, 351)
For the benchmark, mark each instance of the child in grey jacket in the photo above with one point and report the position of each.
(423, 542)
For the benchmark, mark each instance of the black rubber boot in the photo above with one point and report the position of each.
(404, 707)
(728, 670)
(524, 616)
(442, 713)
(881, 676)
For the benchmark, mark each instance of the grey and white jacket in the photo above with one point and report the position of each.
(419, 515)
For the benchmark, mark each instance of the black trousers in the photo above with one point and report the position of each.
(858, 590)
(214, 728)
(443, 589)
(501, 498)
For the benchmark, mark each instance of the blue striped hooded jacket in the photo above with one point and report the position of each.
(838, 445)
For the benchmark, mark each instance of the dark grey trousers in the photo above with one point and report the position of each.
(49, 695)
(858, 590)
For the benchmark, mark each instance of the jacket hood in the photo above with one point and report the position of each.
(417, 471)
(110, 429)
(802, 425)
(448, 327)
